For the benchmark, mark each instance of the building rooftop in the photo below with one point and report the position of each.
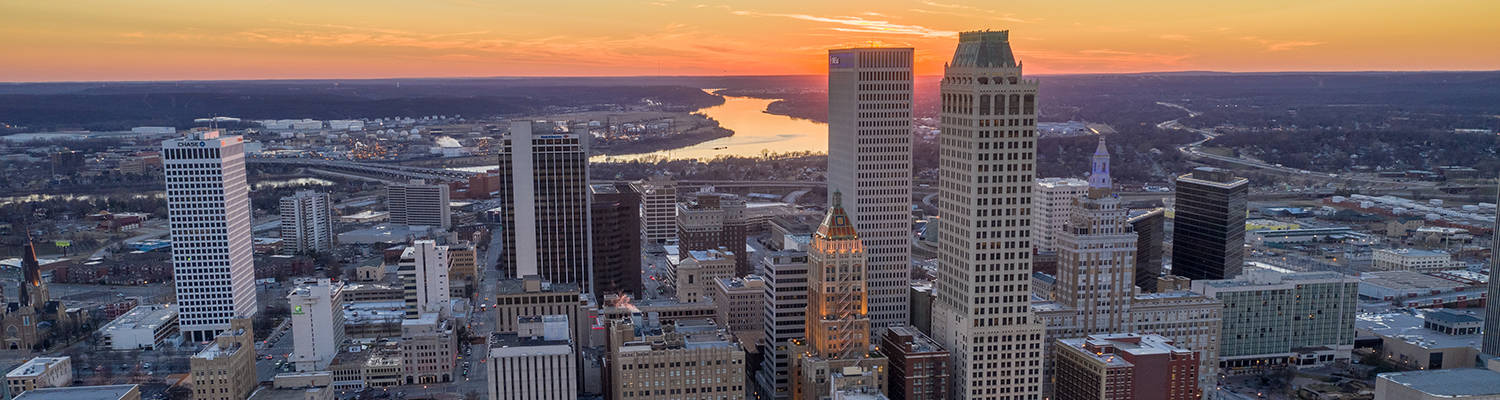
(1258, 274)
(1105, 347)
(920, 343)
(1455, 383)
(143, 317)
(1216, 177)
(1408, 326)
(517, 286)
(34, 367)
(107, 392)
(1406, 280)
(511, 340)
(1416, 252)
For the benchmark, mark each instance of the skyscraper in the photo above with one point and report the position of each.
(1150, 229)
(784, 319)
(1052, 200)
(418, 203)
(615, 230)
(988, 147)
(658, 208)
(544, 175)
(1491, 345)
(1096, 256)
(424, 270)
(208, 207)
(710, 221)
(837, 324)
(1208, 229)
(869, 161)
(317, 322)
(306, 223)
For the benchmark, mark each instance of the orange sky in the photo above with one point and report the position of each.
(170, 40)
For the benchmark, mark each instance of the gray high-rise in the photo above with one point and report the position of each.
(869, 162)
(1208, 230)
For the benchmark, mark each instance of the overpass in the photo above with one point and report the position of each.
(389, 171)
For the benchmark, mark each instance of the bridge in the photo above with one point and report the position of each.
(390, 171)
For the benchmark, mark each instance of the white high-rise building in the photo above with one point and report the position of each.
(317, 322)
(988, 145)
(1052, 200)
(418, 204)
(869, 161)
(658, 209)
(208, 206)
(537, 362)
(306, 223)
(424, 269)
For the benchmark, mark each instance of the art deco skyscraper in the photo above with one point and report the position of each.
(1096, 255)
(544, 193)
(869, 161)
(988, 146)
(836, 315)
(208, 207)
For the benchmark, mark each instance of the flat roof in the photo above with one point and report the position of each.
(34, 367)
(107, 392)
(1408, 327)
(1448, 382)
(143, 316)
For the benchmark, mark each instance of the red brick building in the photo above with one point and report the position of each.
(1125, 366)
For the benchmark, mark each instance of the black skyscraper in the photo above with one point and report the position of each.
(1208, 230)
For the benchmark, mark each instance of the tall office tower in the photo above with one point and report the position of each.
(306, 223)
(837, 325)
(424, 269)
(786, 304)
(536, 362)
(1125, 366)
(708, 221)
(1052, 200)
(418, 203)
(1491, 346)
(616, 236)
(317, 323)
(869, 161)
(1150, 230)
(988, 145)
(544, 176)
(1096, 256)
(658, 208)
(1208, 229)
(208, 206)
(836, 354)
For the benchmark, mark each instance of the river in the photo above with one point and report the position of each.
(755, 131)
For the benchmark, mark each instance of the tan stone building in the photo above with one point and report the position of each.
(740, 304)
(694, 277)
(225, 370)
(689, 359)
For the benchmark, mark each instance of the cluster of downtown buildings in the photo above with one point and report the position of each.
(1045, 288)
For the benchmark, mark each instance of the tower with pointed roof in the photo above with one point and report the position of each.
(837, 320)
(22, 317)
(1099, 183)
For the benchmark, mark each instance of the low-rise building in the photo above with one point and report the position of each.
(106, 392)
(145, 327)
(1413, 260)
(1125, 366)
(225, 370)
(1396, 286)
(40, 372)
(1445, 384)
(1424, 339)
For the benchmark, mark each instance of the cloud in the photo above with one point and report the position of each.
(1281, 45)
(860, 24)
(987, 15)
(1175, 37)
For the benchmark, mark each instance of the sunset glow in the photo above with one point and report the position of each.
(161, 39)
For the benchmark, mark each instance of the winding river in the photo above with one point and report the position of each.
(754, 131)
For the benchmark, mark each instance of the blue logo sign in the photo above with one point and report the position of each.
(842, 60)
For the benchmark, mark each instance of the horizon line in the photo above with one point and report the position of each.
(1178, 72)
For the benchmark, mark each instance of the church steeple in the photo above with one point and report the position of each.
(1099, 182)
(31, 274)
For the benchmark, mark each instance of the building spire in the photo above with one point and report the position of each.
(31, 273)
(1099, 182)
(836, 225)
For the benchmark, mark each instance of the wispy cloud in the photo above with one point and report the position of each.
(860, 24)
(1175, 37)
(1281, 45)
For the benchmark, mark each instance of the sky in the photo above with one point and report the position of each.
(87, 40)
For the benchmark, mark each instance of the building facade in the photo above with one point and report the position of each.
(40, 372)
(1150, 232)
(317, 323)
(1491, 341)
(208, 207)
(869, 161)
(1125, 366)
(1096, 255)
(615, 215)
(428, 349)
(694, 360)
(1413, 260)
(544, 177)
(1052, 200)
(785, 320)
(695, 276)
(145, 327)
(424, 272)
(919, 366)
(714, 220)
(740, 304)
(988, 146)
(418, 203)
(306, 223)
(225, 370)
(1275, 318)
(538, 362)
(1208, 227)
(658, 209)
